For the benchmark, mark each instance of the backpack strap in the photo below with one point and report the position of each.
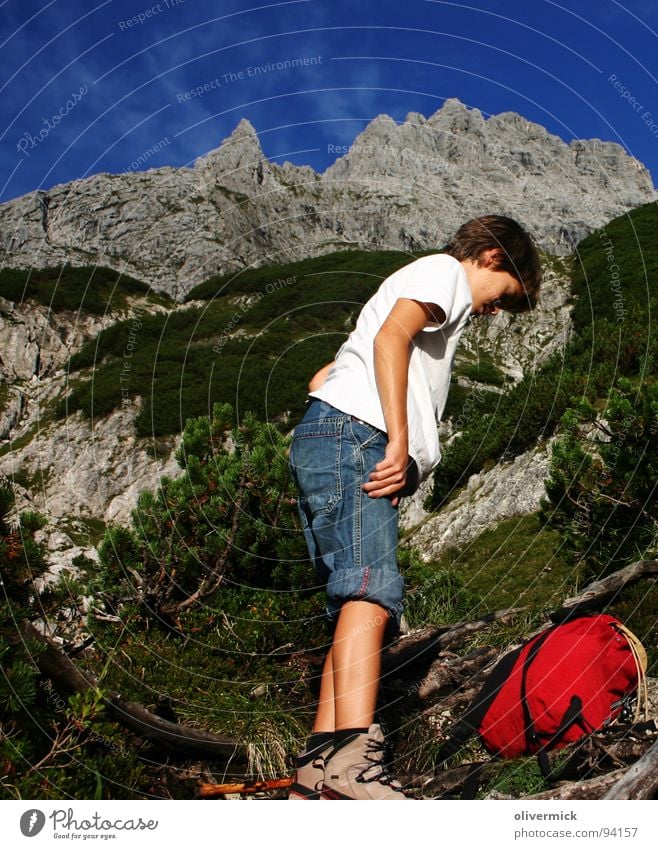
(531, 736)
(640, 657)
(462, 731)
(573, 713)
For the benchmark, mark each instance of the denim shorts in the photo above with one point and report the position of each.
(352, 538)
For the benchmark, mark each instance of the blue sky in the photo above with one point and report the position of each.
(90, 87)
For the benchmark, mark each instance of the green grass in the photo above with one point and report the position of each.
(560, 265)
(518, 563)
(210, 674)
(46, 418)
(34, 482)
(482, 370)
(516, 777)
(84, 531)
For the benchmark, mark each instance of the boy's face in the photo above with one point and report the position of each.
(490, 287)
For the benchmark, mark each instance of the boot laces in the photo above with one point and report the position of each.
(377, 770)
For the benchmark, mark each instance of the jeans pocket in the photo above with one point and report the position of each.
(367, 435)
(315, 464)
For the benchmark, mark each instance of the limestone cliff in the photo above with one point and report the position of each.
(399, 186)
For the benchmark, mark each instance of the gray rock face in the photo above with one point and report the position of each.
(75, 469)
(82, 471)
(35, 341)
(508, 490)
(404, 186)
(519, 344)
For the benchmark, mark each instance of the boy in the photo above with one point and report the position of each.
(368, 438)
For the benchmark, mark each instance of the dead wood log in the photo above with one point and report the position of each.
(613, 748)
(449, 783)
(640, 781)
(442, 712)
(454, 671)
(403, 657)
(592, 788)
(606, 590)
(56, 666)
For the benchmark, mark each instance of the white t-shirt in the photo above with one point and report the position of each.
(351, 387)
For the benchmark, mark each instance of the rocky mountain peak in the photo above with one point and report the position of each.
(457, 116)
(238, 155)
(243, 137)
(415, 118)
(174, 227)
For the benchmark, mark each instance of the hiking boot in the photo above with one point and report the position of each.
(308, 779)
(309, 770)
(356, 770)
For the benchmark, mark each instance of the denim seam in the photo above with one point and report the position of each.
(364, 582)
(358, 494)
(339, 478)
(376, 435)
(307, 434)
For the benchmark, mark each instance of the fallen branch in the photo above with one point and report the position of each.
(613, 748)
(640, 781)
(454, 671)
(405, 654)
(606, 590)
(211, 791)
(56, 666)
(450, 783)
(592, 788)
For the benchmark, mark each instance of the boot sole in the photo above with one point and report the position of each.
(329, 794)
(299, 792)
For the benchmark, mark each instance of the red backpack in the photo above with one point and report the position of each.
(572, 679)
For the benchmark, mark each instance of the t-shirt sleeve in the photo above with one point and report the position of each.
(431, 280)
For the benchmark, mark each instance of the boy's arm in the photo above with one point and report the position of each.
(392, 351)
(319, 377)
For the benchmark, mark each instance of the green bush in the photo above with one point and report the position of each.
(256, 344)
(90, 289)
(51, 746)
(602, 493)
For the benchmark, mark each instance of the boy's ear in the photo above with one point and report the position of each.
(490, 256)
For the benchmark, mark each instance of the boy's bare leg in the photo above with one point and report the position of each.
(325, 718)
(356, 661)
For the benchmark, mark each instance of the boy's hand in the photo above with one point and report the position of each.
(390, 474)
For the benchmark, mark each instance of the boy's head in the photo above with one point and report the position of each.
(515, 253)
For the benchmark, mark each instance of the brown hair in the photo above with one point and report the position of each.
(519, 254)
